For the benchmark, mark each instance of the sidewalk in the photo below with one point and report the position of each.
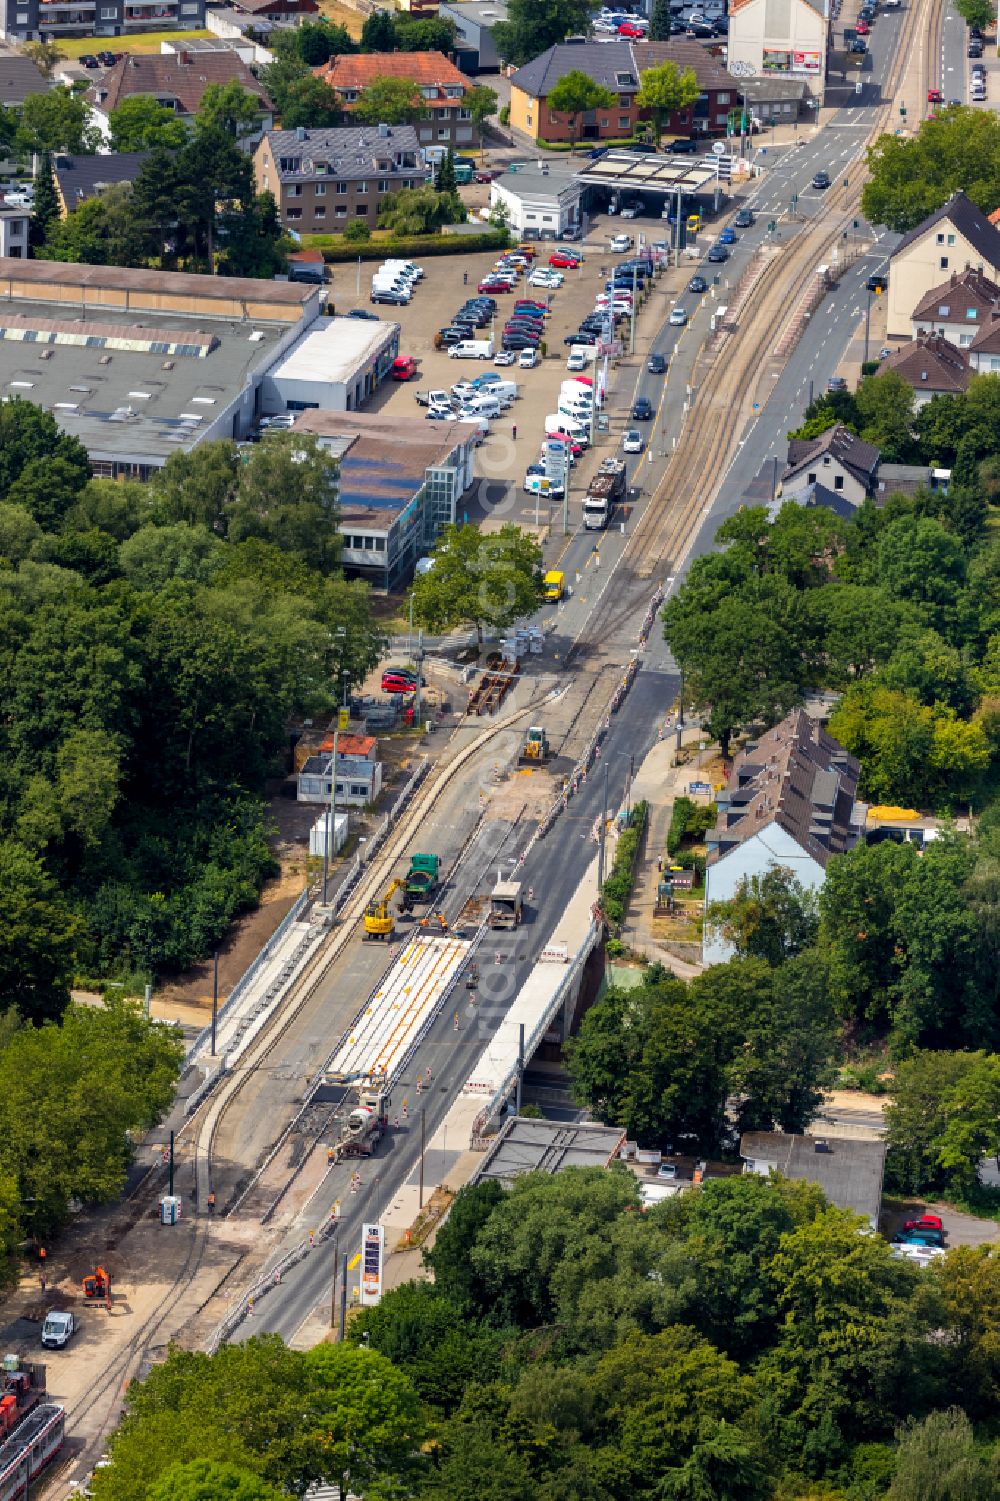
(659, 781)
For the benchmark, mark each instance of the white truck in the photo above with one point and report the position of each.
(58, 1329)
(607, 488)
(471, 349)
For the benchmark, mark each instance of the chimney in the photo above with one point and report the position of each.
(184, 59)
(384, 131)
(300, 132)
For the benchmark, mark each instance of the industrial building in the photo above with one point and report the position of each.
(142, 364)
(400, 483)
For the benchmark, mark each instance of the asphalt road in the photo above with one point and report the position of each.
(552, 867)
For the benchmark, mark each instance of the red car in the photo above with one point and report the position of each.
(935, 96)
(925, 1222)
(404, 367)
(494, 286)
(629, 28)
(488, 175)
(862, 28)
(567, 262)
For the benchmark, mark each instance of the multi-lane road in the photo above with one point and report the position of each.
(600, 618)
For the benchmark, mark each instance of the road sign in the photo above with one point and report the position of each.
(344, 718)
(718, 148)
(372, 1243)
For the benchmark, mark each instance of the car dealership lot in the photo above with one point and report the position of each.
(515, 438)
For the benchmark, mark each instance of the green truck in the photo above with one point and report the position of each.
(422, 878)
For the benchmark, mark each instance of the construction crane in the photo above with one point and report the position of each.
(379, 917)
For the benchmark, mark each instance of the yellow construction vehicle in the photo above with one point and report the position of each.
(379, 916)
(535, 749)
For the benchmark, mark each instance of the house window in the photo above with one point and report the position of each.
(108, 13)
(465, 114)
(810, 479)
(624, 101)
(994, 362)
(623, 122)
(362, 187)
(319, 189)
(944, 310)
(970, 312)
(319, 213)
(943, 262)
(951, 239)
(293, 213)
(722, 98)
(295, 190)
(940, 239)
(964, 340)
(383, 186)
(341, 210)
(838, 482)
(341, 188)
(443, 133)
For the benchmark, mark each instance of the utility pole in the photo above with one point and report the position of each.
(333, 1290)
(418, 658)
(868, 317)
(635, 295)
(170, 1169)
(420, 1195)
(566, 463)
(343, 1301)
(520, 1068)
(331, 813)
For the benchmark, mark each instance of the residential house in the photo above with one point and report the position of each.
(984, 351)
(277, 12)
(474, 20)
(958, 308)
(838, 459)
(322, 178)
(14, 223)
(789, 804)
(78, 178)
(783, 37)
(849, 1169)
(50, 20)
(773, 99)
(19, 77)
(932, 365)
(956, 237)
(907, 479)
(618, 66)
(441, 86)
(176, 81)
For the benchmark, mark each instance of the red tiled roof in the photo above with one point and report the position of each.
(428, 70)
(183, 76)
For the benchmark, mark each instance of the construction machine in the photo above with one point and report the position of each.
(95, 1284)
(22, 1387)
(535, 749)
(422, 878)
(380, 919)
(360, 1133)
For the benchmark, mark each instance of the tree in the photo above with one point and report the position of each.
(27, 433)
(884, 406)
(379, 32)
(424, 33)
(418, 211)
(667, 90)
(102, 232)
(938, 1459)
(255, 243)
(57, 121)
(481, 102)
(389, 101)
(574, 94)
(310, 102)
(966, 1287)
(140, 123)
(771, 917)
(786, 1062)
(229, 108)
(363, 1421)
(661, 25)
(156, 554)
(977, 14)
(45, 55)
(911, 178)
(454, 1275)
(37, 937)
(46, 209)
(533, 25)
(211, 1480)
(942, 1119)
(485, 580)
(47, 488)
(288, 494)
(446, 182)
(358, 231)
(318, 41)
(196, 486)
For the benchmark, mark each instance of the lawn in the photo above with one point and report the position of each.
(148, 41)
(345, 15)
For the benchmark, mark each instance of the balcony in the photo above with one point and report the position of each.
(152, 12)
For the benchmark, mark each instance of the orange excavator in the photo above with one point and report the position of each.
(96, 1284)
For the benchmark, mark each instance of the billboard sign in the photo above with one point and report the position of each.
(372, 1250)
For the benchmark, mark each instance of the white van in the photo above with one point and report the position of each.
(409, 268)
(505, 391)
(472, 349)
(485, 405)
(561, 425)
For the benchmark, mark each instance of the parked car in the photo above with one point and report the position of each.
(858, 45)
(919, 1238)
(527, 359)
(582, 336)
(404, 367)
(935, 96)
(667, 1171)
(106, 59)
(861, 27)
(682, 147)
(925, 1222)
(58, 1328)
(88, 60)
(363, 312)
(505, 357)
(518, 341)
(836, 383)
(390, 294)
(563, 259)
(632, 441)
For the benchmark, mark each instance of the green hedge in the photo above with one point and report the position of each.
(689, 821)
(586, 146)
(616, 892)
(335, 248)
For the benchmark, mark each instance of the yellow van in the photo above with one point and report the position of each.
(553, 583)
(693, 223)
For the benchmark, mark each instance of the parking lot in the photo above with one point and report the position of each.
(515, 438)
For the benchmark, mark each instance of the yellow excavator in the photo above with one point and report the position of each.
(379, 917)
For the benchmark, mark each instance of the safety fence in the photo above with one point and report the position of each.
(251, 972)
(257, 1290)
